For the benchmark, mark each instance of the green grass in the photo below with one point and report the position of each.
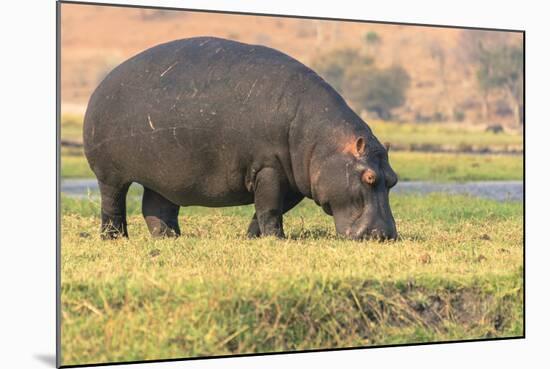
(452, 136)
(456, 273)
(74, 164)
(71, 127)
(455, 167)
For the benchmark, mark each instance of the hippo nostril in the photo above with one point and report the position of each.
(378, 234)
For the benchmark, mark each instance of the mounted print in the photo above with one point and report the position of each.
(244, 184)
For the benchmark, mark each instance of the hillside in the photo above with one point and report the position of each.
(443, 82)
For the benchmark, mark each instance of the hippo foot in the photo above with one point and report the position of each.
(272, 227)
(159, 229)
(113, 229)
(253, 228)
(271, 224)
(161, 215)
(113, 210)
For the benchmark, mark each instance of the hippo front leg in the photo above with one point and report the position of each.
(253, 228)
(268, 200)
(291, 200)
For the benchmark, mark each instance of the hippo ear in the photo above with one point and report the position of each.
(387, 145)
(360, 146)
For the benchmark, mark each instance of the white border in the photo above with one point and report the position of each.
(28, 182)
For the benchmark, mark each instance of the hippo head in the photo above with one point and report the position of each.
(353, 186)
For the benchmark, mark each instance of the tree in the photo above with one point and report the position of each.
(372, 38)
(502, 69)
(378, 90)
(333, 66)
(440, 56)
(353, 74)
(497, 58)
(372, 43)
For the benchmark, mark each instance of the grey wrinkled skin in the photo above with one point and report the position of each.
(212, 122)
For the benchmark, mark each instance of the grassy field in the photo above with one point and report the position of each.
(456, 273)
(461, 137)
(71, 127)
(451, 167)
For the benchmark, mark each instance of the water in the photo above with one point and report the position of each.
(494, 190)
(79, 187)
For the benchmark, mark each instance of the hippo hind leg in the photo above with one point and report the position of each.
(161, 215)
(113, 210)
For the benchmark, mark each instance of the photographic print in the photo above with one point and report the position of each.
(245, 184)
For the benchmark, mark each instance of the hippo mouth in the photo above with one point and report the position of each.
(370, 225)
(377, 232)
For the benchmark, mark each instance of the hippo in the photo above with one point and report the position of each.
(213, 122)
